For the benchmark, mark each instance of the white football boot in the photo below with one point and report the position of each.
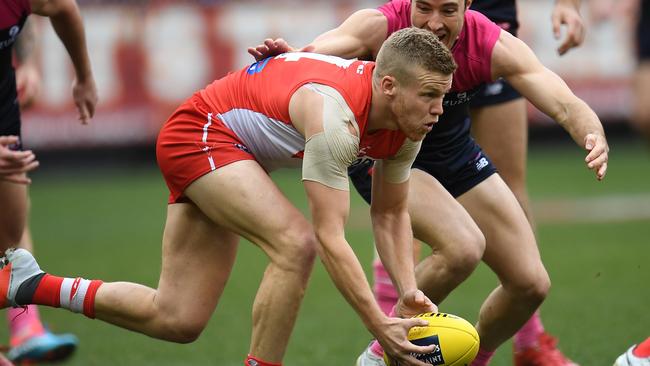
(368, 358)
(17, 266)
(630, 359)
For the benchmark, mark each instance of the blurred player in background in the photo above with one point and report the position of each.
(637, 355)
(451, 160)
(30, 341)
(641, 116)
(505, 141)
(318, 112)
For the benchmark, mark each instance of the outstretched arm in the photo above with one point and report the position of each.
(68, 25)
(515, 61)
(567, 13)
(359, 36)
(329, 208)
(28, 78)
(331, 146)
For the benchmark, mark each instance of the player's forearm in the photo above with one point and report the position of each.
(579, 120)
(25, 44)
(348, 276)
(394, 241)
(68, 25)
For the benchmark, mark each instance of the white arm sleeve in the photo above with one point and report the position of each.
(397, 169)
(329, 153)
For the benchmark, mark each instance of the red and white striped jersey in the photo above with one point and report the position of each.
(254, 104)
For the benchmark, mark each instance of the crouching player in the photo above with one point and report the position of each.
(321, 112)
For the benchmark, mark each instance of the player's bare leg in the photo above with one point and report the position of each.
(441, 222)
(505, 141)
(13, 214)
(512, 253)
(264, 216)
(199, 247)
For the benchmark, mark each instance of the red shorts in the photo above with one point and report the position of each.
(194, 142)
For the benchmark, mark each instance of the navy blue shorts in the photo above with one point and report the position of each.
(470, 170)
(9, 108)
(493, 93)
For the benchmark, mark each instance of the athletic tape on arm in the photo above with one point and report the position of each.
(329, 153)
(398, 168)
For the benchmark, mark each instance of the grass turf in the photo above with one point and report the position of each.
(109, 226)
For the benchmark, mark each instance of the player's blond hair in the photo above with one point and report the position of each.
(411, 47)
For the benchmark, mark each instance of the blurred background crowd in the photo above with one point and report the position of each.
(148, 56)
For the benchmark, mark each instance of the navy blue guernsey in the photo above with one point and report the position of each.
(499, 11)
(13, 15)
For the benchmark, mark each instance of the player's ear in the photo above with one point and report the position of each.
(388, 85)
(468, 3)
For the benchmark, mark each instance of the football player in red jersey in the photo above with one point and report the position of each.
(484, 214)
(318, 112)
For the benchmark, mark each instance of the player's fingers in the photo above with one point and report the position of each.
(83, 113)
(8, 140)
(557, 25)
(602, 171)
(11, 171)
(255, 53)
(598, 148)
(415, 322)
(578, 30)
(597, 162)
(411, 360)
(90, 106)
(16, 159)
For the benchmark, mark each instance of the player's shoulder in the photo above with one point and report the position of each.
(476, 21)
(478, 36)
(397, 14)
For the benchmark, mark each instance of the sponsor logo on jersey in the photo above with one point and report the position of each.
(453, 99)
(13, 33)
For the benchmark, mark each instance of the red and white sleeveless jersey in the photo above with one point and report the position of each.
(254, 104)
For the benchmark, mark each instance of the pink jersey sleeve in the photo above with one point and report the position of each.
(398, 14)
(473, 51)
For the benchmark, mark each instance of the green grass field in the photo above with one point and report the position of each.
(109, 226)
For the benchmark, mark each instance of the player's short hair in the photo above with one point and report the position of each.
(411, 47)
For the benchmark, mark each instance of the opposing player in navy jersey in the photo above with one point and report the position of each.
(505, 141)
(30, 341)
(485, 215)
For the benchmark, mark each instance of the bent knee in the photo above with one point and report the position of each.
(532, 287)
(467, 251)
(297, 250)
(182, 330)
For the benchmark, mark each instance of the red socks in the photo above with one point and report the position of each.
(75, 294)
(252, 361)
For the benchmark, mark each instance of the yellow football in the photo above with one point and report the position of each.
(456, 340)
